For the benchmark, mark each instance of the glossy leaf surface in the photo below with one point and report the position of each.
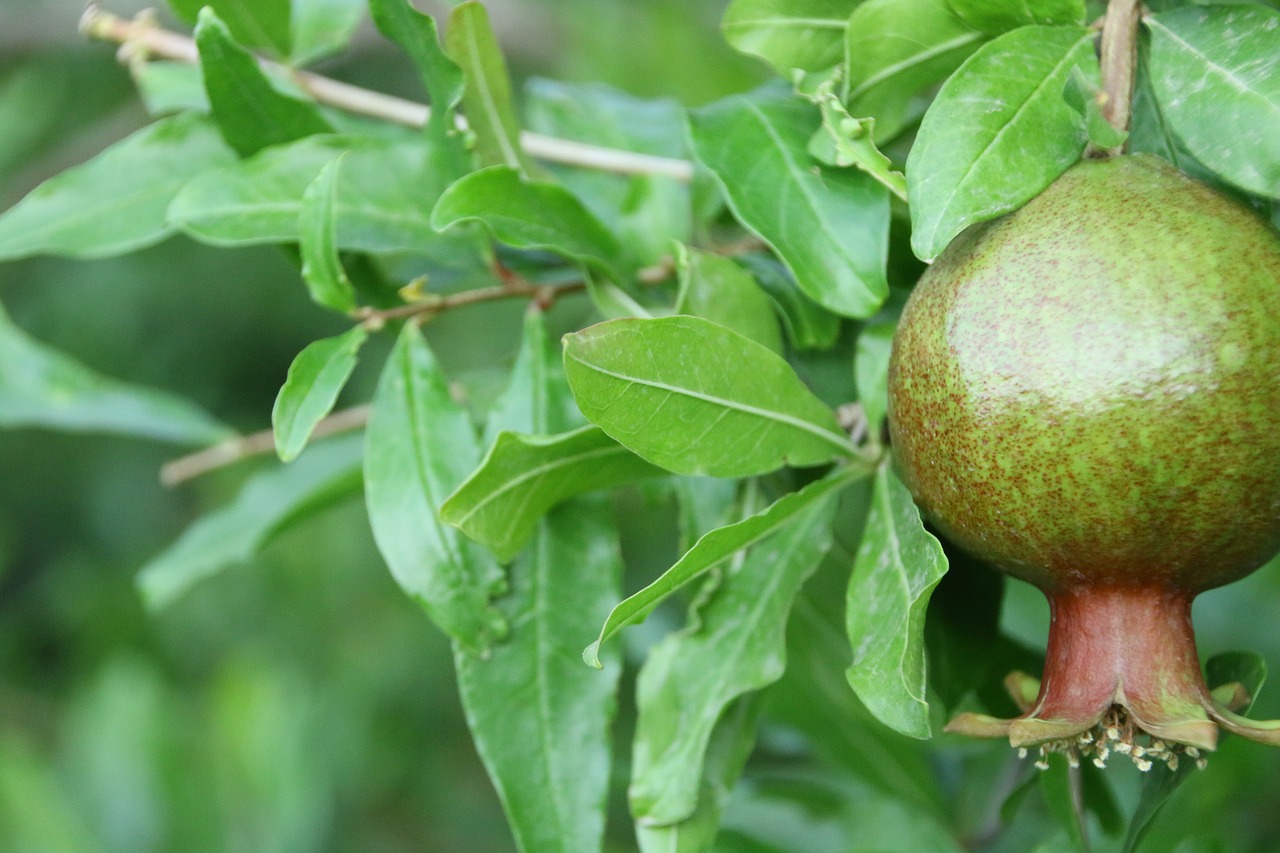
(250, 112)
(322, 270)
(419, 445)
(997, 16)
(789, 34)
(524, 476)
(116, 201)
(830, 226)
(717, 289)
(898, 565)
(998, 133)
(470, 42)
(735, 645)
(694, 397)
(315, 379)
(529, 215)
(1216, 74)
(715, 547)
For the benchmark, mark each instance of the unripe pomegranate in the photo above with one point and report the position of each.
(1085, 393)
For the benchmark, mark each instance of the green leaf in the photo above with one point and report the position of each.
(847, 141)
(898, 565)
(524, 476)
(322, 27)
(830, 226)
(1086, 98)
(998, 133)
(417, 35)
(808, 325)
(315, 379)
(170, 87)
(1216, 74)
(735, 645)
(322, 270)
(994, 17)
(114, 203)
(251, 113)
(550, 762)
(42, 387)
(697, 398)
(718, 545)
(788, 34)
(259, 24)
(647, 212)
(384, 195)
(717, 289)
(871, 372)
(1248, 669)
(419, 445)
(268, 502)
(529, 215)
(728, 748)
(896, 48)
(550, 766)
(470, 42)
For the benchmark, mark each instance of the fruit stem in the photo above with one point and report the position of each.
(1119, 60)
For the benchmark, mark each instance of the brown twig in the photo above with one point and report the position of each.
(142, 37)
(189, 467)
(1119, 60)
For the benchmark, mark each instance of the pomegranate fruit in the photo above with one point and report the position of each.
(1085, 393)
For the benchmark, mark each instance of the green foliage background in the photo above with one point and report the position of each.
(301, 702)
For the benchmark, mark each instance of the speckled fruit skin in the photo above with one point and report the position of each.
(1086, 394)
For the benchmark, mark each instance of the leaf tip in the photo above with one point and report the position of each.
(591, 656)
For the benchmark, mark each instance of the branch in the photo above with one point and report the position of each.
(142, 37)
(189, 467)
(1119, 58)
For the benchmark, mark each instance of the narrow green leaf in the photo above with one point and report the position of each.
(419, 445)
(1216, 74)
(470, 42)
(315, 379)
(998, 133)
(42, 387)
(322, 270)
(170, 87)
(268, 502)
(529, 215)
(789, 34)
(717, 289)
(694, 397)
(114, 203)
(417, 35)
(994, 17)
(896, 48)
(550, 765)
(259, 24)
(808, 325)
(736, 646)
(847, 141)
(728, 749)
(537, 398)
(322, 27)
(251, 113)
(830, 226)
(524, 476)
(898, 565)
(550, 762)
(871, 372)
(719, 545)
(647, 212)
(383, 198)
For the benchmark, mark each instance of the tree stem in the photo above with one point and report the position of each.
(141, 37)
(1119, 60)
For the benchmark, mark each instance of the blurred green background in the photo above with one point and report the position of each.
(300, 702)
